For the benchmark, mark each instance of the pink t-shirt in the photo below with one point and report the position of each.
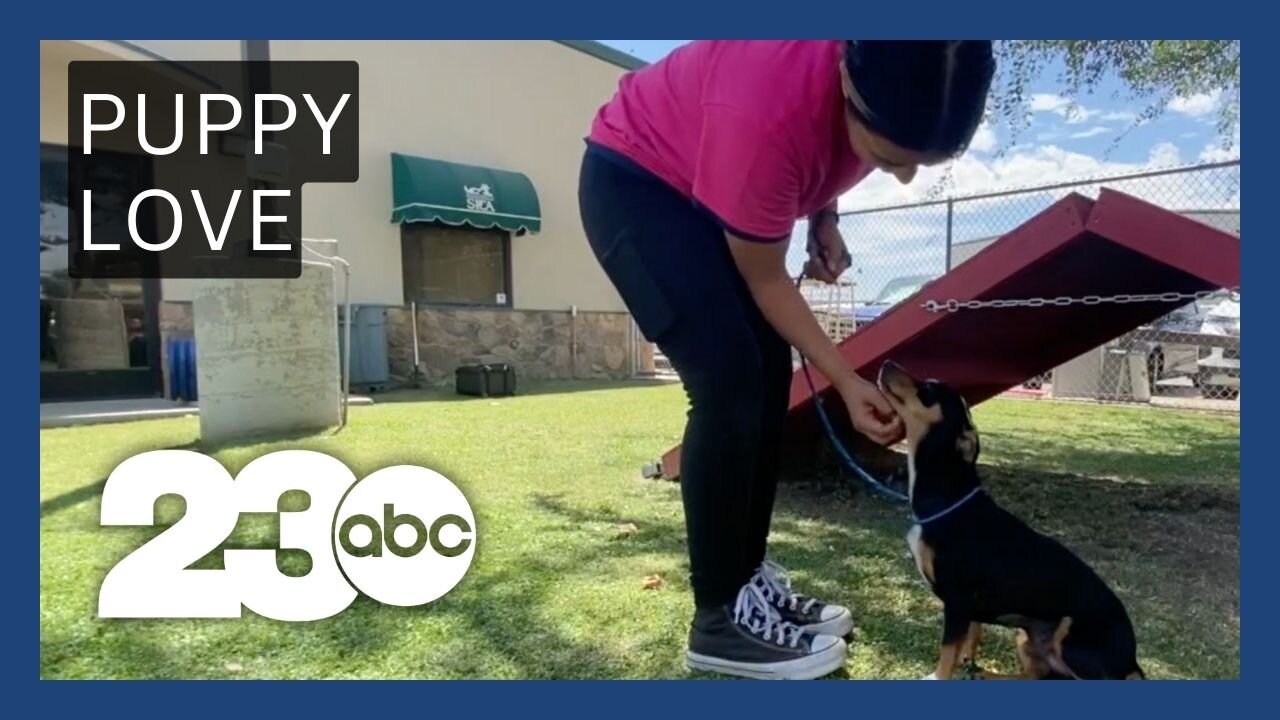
(751, 130)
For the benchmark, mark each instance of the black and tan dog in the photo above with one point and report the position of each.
(987, 566)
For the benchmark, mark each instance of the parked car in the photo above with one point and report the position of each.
(894, 292)
(1214, 369)
(1219, 369)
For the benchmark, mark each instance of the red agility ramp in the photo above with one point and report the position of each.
(1116, 245)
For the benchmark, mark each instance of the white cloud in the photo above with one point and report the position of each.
(1164, 155)
(1075, 113)
(1040, 165)
(1215, 152)
(985, 139)
(1196, 105)
(1120, 116)
(1091, 132)
(1045, 102)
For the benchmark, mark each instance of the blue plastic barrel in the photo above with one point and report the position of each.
(182, 368)
(369, 363)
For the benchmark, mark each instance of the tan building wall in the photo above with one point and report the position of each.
(523, 106)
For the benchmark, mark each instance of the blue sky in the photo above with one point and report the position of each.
(1182, 136)
(1059, 145)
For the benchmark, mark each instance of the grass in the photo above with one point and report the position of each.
(1149, 497)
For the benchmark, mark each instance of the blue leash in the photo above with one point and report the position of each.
(867, 477)
(876, 485)
(840, 449)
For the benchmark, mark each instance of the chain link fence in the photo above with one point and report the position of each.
(1188, 358)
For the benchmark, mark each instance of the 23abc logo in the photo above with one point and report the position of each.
(404, 535)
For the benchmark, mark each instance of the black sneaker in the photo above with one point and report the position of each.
(752, 640)
(811, 614)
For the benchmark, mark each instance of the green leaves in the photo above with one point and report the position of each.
(1154, 72)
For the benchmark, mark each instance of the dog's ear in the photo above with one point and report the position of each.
(967, 444)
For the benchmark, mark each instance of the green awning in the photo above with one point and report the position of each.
(425, 190)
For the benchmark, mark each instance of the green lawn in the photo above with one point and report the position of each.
(1149, 497)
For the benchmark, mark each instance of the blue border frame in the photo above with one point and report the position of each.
(656, 18)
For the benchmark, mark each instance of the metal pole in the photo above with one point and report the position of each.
(413, 317)
(632, 348)
(330, 261)
(346, 359)
(951, 208)
(573, 342)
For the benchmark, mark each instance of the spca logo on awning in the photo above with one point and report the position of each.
(479, 198)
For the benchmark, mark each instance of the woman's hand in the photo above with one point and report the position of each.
(828, 256)
(763, 267)
(870, 412)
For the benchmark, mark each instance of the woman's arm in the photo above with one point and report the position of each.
(828, 257)
(763, 267)
(831, 210)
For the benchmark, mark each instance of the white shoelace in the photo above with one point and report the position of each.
(755, 612)
(776, 584)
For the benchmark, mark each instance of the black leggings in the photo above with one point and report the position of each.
(671, 264)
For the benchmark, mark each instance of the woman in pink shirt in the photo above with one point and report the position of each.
(695, 173)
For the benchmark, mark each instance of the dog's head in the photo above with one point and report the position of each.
(939, 428)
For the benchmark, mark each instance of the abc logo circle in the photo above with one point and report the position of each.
(404, 535)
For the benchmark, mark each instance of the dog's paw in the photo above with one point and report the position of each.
(930, 676)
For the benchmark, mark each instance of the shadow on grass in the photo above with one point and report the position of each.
(1141, 443)
(822, 554)
(497, 620)
(213, 648)
(91, 491)
(502, 623)
(71, 498)
(446, 393)
(411, 456)
(1180, 456)
(1169, 548)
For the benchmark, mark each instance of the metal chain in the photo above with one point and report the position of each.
(1065, 301)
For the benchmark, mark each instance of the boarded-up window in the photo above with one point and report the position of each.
(455, 266)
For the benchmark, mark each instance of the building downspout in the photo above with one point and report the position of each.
(632, 349)
(330, 261)
(573, 342)
(416, 377)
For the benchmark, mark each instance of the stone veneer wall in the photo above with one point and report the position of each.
(537, 342)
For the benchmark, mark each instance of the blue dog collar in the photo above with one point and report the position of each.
(952, 508)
